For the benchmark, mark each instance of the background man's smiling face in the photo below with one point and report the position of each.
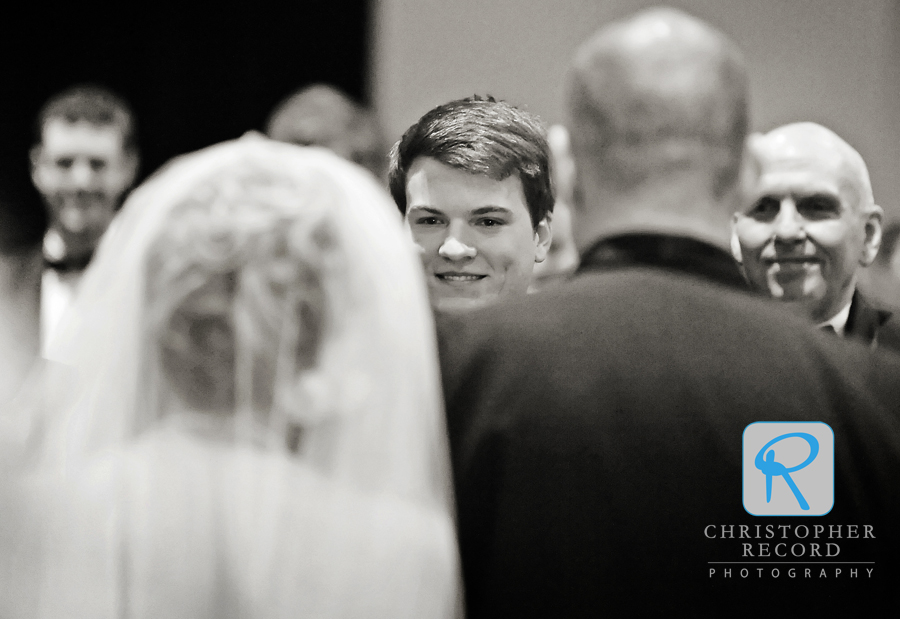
(475, 234)
(82, 171)
(806, 227)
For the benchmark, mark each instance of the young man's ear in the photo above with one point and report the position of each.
(543, 236)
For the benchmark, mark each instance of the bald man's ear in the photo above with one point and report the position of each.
(563, 164)
(872, 227)
(735, 242)
(750, 167)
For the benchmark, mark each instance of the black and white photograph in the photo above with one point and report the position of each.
(421, 309)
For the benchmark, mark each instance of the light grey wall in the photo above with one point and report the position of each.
(836, 62)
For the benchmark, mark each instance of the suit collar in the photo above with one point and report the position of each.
(838, 322)
(682, 254)
(56, 255)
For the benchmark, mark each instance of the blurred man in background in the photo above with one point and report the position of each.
(84, 160)
(809, 225)
(322, 115)
(472, 179)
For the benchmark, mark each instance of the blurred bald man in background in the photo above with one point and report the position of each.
(597, 428)
(809, 224)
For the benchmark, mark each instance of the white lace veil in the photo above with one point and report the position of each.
(288, 268)
(368, 410)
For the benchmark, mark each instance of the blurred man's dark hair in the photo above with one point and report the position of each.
(322, 115)
(479, 135)
(92, 104)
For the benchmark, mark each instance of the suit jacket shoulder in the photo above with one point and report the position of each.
(874, 325)
(596, 430)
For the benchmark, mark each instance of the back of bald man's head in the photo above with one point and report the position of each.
(656, 93)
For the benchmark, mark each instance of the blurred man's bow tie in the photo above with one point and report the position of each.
(70, 265)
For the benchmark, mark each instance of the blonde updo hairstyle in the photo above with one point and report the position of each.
(236, 295)
(262, 294)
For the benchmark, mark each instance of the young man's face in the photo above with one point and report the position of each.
(81, 170)
(475, 234)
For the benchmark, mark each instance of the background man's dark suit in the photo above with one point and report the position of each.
(872, 324)
(596, 429)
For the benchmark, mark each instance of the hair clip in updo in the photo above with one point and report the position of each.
(319, 397)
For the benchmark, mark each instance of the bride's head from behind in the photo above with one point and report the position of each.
(258, 292)
(242, 284)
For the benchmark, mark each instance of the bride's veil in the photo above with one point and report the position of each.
(347, 387)
(369, 410)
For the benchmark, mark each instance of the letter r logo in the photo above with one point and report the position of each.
(788, 468)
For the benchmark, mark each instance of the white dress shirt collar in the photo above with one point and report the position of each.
(839, 321)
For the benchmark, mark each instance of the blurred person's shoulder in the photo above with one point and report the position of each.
(589, 301)
(32, 420)
(644, 317)
(875, 321)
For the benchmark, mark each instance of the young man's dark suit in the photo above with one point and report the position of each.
(596, 430)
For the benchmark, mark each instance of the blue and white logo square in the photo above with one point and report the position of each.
(788, 468)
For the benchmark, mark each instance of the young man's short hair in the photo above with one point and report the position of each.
(93, 104)
(480, 135)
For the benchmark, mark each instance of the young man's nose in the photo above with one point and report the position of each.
(454, 249)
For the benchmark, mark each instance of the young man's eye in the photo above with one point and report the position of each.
(98, 165)
(65, 162)
(428, 221)
(490, 222)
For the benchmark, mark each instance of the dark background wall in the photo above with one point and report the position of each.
(194, 77)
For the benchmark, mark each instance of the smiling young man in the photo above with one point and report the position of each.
(472, 178)
(809, 225)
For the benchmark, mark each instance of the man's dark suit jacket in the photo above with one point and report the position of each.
(596, 431)
(871, 325)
